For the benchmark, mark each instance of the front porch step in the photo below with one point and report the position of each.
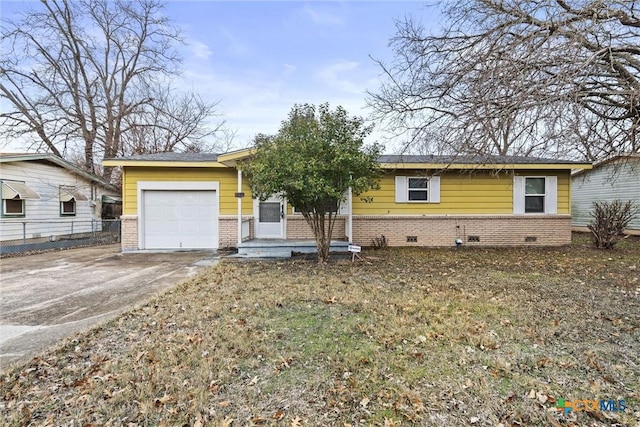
(283, 248)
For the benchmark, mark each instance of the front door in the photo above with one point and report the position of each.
(269, 218)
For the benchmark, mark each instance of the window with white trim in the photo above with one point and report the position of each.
(13, 207)
(68, 207)
(69, 195)
(535, 194)
(14, 194)
(417, 189)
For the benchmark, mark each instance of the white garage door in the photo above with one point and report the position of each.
(180, 219)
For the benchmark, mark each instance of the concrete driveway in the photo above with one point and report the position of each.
(47, 297)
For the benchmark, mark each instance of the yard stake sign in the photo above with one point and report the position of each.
(355, 251)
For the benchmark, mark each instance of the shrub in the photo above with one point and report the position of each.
(380, 242)
(609, 221)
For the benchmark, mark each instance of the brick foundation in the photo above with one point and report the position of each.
(297, 228)
(494, 230)
(498, 230)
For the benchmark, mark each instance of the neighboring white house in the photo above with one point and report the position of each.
(44, 196)
(617, 178)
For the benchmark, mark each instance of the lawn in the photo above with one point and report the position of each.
(482, 337)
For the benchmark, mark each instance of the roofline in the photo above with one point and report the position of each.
(231, 158)
(606, 161)
(8, 157)
(485, 166)
(163, 163)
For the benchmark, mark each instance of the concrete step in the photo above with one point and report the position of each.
(265, 252)
(264, 248)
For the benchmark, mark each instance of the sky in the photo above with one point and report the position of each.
(259, 58)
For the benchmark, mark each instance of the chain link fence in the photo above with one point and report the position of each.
(24, 236)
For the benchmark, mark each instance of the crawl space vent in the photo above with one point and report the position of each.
(412, 239)
(473, 239)
(531, 239)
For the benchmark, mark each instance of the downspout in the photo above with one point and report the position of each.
(239, 208)
(350, 215)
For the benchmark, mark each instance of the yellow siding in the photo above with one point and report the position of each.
(479, 192)
(226, 177)
(564, 192)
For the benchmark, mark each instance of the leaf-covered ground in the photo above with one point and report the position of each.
(482, 337)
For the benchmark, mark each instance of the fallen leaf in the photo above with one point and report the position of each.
(542, 397)
(511, 396)
(224, 404)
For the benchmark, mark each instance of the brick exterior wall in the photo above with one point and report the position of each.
(297, 228)
(129, 230)
(228, 230)
(498, 230)
(491, 230)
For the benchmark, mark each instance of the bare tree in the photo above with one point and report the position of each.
(90, 74)
(518, 77)
(178, 125)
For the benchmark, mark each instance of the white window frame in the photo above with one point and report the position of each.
(68, 213)
(420, 189)
(22, 214)
(543, 194)
(550, 195)
(12, 214)
(402, 189)
(68, 190)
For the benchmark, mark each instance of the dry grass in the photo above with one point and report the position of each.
(407, 336)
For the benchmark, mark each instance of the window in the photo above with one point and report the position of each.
(418, 189)
(535, 195)
(69, 195)
(411, 189)
(13, 207)
(269, 211)
(68, 208)
(14, 194)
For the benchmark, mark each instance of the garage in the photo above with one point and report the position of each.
(179, 219)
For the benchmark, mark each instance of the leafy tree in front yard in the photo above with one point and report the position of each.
(315, 157)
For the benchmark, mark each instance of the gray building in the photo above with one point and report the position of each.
(617, 178)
